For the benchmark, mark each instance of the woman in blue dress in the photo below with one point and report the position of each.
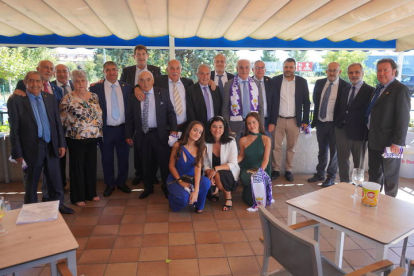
(186, 159)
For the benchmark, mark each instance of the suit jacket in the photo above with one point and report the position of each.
(352, 118)
(390, 116)
(128, 73)
(197, 109)
(99, 89)
(302, 102)
(228, 155)
(70, 83)
(23, 127)
(213, 75)
(269, 93)
(317, 92)
(56, 90)
(166, 117)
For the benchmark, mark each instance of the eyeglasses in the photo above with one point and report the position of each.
(262, 68)
(332, 70)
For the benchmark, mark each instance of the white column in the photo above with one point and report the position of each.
(172, 47)
(400, 62)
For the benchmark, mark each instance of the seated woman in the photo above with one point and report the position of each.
(187, 159)
(220, 162)
(254, 152)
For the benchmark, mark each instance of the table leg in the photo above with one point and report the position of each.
(381, 253)
(339, 248)
(53, 268)
(72, 262)
(291, 216)
(404, 249)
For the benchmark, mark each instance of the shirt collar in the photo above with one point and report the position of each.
(61, 84)
(294, 78)
(32, 96)
(202, 86)
(358, 85)
(262, 80)
(145, 69)
(170, 80)
(335, 82)
(240, 79)
(109, 84)
(386, 85)
(151, 92)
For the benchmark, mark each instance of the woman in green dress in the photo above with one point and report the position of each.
(254, 152)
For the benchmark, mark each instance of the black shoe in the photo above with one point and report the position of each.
(136, 180)
(145, 194)
(275, 175)
(316, 178)
(108, 191)
(289, 176)
(65, 210)
(328, 182)
(45, 199)
(124, 188)
(155, 181)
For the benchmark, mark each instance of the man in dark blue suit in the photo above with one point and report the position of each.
(148, 125)
(290, 111)
(325, 95)
(219, 75)
(37, 137)
(113, 97)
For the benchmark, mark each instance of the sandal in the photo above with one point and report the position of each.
(215, 193)
(96, 199)
(197, 210)
(229, 207)
(80, 203)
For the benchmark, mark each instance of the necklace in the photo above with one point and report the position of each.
(83, 103)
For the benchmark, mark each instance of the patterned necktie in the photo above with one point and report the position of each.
(145, 112)
(177, 99)
(44, 121)
(325, 100)
(207, 101)
(351, 98)
(46, 88)
(114, 103)
(245, 99)
(65, 91)
(374, 99)
(220, 84)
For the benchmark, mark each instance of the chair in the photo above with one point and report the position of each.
(300, 255)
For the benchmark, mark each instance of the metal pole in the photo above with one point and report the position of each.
(400, 62)
(172, 47)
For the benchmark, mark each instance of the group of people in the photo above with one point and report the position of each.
(202, 137)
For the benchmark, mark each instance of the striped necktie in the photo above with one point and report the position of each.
(177, 99)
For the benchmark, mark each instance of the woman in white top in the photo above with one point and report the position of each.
(220, 162)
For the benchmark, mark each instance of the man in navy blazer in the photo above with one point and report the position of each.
(290, 111)
(219, 75)
(325, 96)
(150, 131)
(113, 97)
(350, 126)
(37, 138)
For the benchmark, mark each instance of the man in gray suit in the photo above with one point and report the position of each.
(241, 96)
(387, 117)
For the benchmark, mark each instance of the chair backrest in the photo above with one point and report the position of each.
(298, 254)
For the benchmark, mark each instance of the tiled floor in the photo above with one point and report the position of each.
(124, 235)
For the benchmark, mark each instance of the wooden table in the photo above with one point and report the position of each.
(385, 225)
(29, 245)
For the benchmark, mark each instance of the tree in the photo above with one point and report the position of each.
(269, 56)
(299, 56)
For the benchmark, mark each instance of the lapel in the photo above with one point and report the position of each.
(49, 109)
(102, 99)
(124, 93)
(28, 105)
(357, 97)
(387, 92)
(319, 91)
(157, 98)
(201, 95)
(71, 85)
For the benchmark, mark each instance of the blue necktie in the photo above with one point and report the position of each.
(245, 99)
(325, 100)
(114, 103)
(220, 84)
(351, 98)
(207, 101)
(44, 120)
(145, 111)
(374, 99)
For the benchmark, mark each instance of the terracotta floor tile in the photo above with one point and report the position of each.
(131, 229)
(349, 244)
(157, 218)
(181, 238)
(250, 224)
(156, 253)
(244, 265)
(331, 257)
(134, 210)
(183, 267)
(228, 224)
(108, 220)
(233, 236)
(82, 241)
(95, 256)
(273, 264)
(132, 219)
(253, 234)
(153, 268)
(106, 242)
(174, 227)
(155, 240)
(121, 269)
(85, 221)
(136, 201)
(207, 225)
(391, 255)
(204, 216)
(358, 258)
(81, 231)
(105, 230)
(116, 202)
(210, 250)
(92, 270)
(207, 237)
(113, 211)
(219, 215)
(128, 241)
(124, 255)
(90, 211)
(156, 228)
(243, 214)
(157, 208)
(180, 216)
(238, 249)
(257, 247)
(182, 252)
(214, 266)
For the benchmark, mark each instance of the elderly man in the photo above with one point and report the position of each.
(324, 97)
(387, 117)
(37, 137)
(113, 96)
(148, 125)
(350, 127)
(290, 111)
(219, 75)
(203, 101)
(242, 95)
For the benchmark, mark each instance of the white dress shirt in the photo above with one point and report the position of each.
(331, 101)
(108, 92)
(152, 112)
(68, 87)
(287, 98)
(182, 118)
(224, 78)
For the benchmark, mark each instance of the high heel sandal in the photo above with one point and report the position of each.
(215, 193)
(229, 207)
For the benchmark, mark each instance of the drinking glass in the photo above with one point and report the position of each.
(357, 179)
(2, 214)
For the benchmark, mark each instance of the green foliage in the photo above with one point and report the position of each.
(299, 56)
(5, 128)
(269, 56)
(370, 76)
(345, 58)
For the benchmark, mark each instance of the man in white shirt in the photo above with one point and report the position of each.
(219, 75)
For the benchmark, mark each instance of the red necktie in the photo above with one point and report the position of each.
(46, 88)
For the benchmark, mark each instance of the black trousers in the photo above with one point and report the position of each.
(82, 168)
(325, 134)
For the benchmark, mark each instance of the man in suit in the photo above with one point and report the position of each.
(203, 102)
(236, 99)
(290, 111)
(219, 75)
(350, 127)
(148, 125)
(113, 97)
(387, 116)
(37, 137)
(324, 97)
